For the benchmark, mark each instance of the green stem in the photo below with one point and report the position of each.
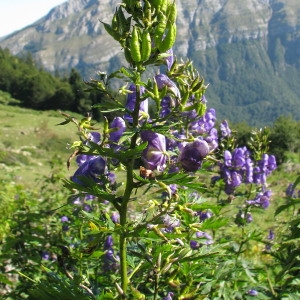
(124, 206)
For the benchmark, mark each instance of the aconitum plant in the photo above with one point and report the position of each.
(150, 232)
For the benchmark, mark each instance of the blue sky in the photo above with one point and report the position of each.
(16, 14)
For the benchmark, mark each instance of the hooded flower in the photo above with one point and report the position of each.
(130, 103)
(163, 80)
(117, 127)
(91, 168)
(193, 154)
(155, 155)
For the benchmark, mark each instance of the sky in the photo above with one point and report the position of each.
(17, 14)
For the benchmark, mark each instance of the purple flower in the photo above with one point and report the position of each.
(163, 80)
(241, 218)
(205, 123)
(264, 168)
(45, 255)
(108, 242)
(212, 139)
(203, 215)
(115, 217)
(64, 219)
(91, 169)
(224, 128)
(170, 59)
(155, 155)
(261, 199)
(193, 154)
(94, 137)
(204, 239)
(252, 292)
(170, 223)
(110, 260)
(169, 296)
(131, 100)
(271, 235)
(117, 127)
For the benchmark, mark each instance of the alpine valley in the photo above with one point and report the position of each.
(248, 51)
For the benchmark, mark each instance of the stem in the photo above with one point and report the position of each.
(124, 206)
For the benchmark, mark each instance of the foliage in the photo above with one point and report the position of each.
(36, 88)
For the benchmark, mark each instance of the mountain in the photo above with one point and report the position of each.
(248, 51)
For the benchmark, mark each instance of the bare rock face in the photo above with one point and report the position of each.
(71, 35)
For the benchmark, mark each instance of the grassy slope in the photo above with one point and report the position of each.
(30, 140)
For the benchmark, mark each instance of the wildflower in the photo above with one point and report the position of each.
(203, 215)
(169, 296)
(91, 169)
(252, 292)
(193, 154)
(155, 155)
(45, 255)
(224, 128)
(115, 217)
(262, 199)
(170, 223)
(205, 123)
(163, 80)
(205, 239)
(131, 100)
(117, 127)
(64, 219)
(170, 59)
(110, 260)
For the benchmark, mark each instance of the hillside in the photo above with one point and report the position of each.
(248, 51)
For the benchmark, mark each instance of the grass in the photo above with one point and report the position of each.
(30, 140)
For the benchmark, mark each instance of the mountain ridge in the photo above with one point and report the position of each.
(237, 46)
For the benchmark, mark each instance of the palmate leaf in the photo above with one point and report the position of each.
(109, 107)
(88, 186)
(122, 156)
(58, 287)
(292, 202)
(214, 223)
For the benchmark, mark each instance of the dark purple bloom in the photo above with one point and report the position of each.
(86, 207)
(94, 137)
(163, 80)
(193, 154)
(45, 255)
(108, 242)
(155, 155)
(117, 127)
(271, 235)
(91, 169)
(203, 215)
(290, 190)
(110, 260)
(263, 169)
